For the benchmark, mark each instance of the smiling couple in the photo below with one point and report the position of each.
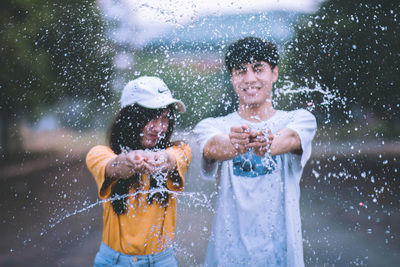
(257, 153)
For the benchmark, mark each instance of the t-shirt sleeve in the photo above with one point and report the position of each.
(183, 156)
(203, 132)
(96, 161)
(304, 124)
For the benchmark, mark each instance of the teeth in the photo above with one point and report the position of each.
(251, 88)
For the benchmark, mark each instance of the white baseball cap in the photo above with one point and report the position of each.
(149, 92)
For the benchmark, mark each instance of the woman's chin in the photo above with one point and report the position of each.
(149, 143)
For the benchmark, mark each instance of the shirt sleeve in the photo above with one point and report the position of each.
(96, 161)
(304, 124)
(203, 132)
(183, 155)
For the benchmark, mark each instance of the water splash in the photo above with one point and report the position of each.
(329, 96)
(195, 200)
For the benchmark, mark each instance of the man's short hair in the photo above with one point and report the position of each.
(249, 50)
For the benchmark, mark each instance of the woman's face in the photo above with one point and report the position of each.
(154, 130)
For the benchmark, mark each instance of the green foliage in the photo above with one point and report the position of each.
(52, 51)
(352, 47)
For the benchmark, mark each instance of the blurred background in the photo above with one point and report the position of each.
(63, 67)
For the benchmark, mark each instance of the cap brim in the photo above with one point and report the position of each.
(161, 103)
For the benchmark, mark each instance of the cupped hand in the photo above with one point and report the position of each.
(160, 161)
(138, 161)
(239, 137)
(260, 142)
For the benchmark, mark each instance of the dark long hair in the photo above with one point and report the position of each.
(124, 135)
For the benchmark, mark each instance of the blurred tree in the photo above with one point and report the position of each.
(352, 47)
(51, 51)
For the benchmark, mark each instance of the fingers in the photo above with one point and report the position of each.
(142, 167)
(138, 161)
(142, 162)
(150, 162)
(259, 144)
(136, 156)
(259, 141)
(239, 137)
(241, 128)
(239, 132)
(159, 162)
(270, 136)
(244, 138)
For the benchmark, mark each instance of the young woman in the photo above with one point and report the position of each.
(138, 174)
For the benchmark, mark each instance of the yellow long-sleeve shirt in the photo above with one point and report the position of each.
(144, 229)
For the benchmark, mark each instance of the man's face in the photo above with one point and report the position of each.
(253, 82)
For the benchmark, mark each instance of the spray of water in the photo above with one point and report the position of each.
(194, 199)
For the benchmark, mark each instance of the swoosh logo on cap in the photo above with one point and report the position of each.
(162, 90)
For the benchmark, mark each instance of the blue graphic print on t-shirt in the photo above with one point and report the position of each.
(251, 165)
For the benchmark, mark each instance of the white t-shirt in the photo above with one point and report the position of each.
(257, 220)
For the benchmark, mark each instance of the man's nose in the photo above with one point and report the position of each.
(250, 76)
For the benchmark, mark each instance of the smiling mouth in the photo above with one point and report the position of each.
(157, 136)
(251, 90)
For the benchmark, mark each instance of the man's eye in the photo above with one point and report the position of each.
(238, 71)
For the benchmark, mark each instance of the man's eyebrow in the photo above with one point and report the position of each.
(240, 67)
(259, 64)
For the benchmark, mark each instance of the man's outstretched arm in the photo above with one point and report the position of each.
(219, 148)
(225, 147)
(286, 141)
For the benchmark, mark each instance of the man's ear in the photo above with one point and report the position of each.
(275, 73)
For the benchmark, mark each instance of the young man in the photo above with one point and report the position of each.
(258, 154)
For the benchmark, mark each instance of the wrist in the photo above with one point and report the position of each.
(112, 167)
(170, 159)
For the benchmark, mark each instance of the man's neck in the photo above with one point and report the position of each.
(256, 113)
